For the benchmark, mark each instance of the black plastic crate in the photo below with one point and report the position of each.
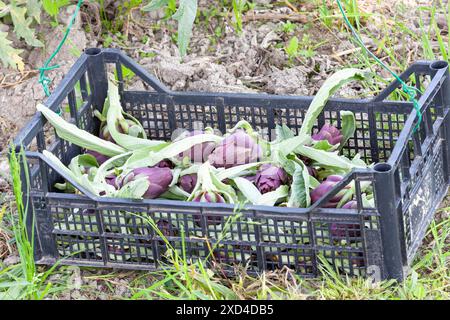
(410, 179)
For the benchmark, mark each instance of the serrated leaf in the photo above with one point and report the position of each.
(115, 112)
(271, 198)
(328, 159)
(77, 177)
(300, 197)
(148, 156)
(22, 26)
(290, 145)
(175, 193)
(134, 189)
(185, 16)
(81, 138)
(52, 6)
(287, 164)
(323, 145)
(8, 55)
(234, 172)
(248, 189)
(283, 132)
(155, 5)
(34, 9)
(348, 126)
(82, 160)
(331, 85)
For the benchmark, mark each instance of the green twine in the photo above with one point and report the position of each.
(43, 79)
(410, 91)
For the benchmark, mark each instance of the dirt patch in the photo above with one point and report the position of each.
(19, 101)
(5, 247)
(7, 131)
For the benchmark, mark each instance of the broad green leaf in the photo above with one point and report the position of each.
(80, 179)
(313, 182)
(271, 198)
(323, 145)
(139, 158)
(357, 161)
(185, 16)
(113, 162)
(290, 145)
(225, 189)
(171, 150)
(81, 138)
(289, 165)
(155, 5)
(87, 160)
(115, 112)
(52, 6)
(300, 197)
(348, 126)
(283, 132)
(329, 159)
(22, 26)
(8, 55)
(83, 160)
(234, 172)
(331, 85)
(248, 189)
(134, 189)
(175, 193)
(190, 170)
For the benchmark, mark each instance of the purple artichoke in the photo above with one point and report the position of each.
(326, 186)
(236, 149)
(270, 177)
(341, 230)
(111, 180)
(159, 179)
(188, 182)
(165, 164)
(330, 133)
(200, 152)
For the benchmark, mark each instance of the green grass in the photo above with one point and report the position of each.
(23, 280)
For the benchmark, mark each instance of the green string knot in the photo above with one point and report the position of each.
(412, 93)
(409, 90)
(43, 79)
